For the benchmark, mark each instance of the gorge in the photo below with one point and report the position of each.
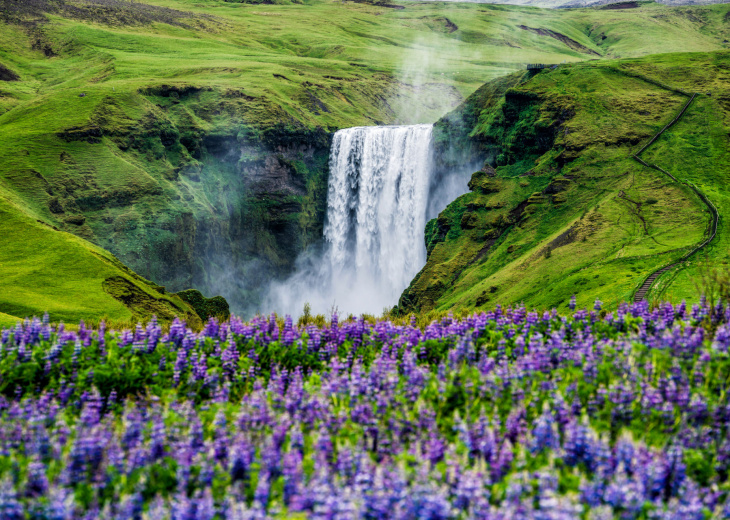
(193, 143)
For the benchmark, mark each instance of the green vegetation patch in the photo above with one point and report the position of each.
(215, 307)
(560, 206)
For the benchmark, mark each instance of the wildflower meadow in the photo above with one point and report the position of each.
(508, 414)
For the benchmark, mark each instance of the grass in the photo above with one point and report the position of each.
(605, 222)
(63, 275)
(6, 320)
(696, 150)
(151, 188)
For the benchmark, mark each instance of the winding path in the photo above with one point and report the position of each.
(644, 288)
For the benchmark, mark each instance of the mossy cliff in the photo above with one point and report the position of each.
(227, 204)
(558, 205)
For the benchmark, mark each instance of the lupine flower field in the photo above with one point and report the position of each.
(508, 414)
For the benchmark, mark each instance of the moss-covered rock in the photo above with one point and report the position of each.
(215, 307)
(145, 303)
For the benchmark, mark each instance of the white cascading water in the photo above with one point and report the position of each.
(376, 215)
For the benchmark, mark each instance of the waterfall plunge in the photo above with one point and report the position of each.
(376, 214)
(378, 192)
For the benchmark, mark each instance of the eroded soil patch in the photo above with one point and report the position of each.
(571, 43)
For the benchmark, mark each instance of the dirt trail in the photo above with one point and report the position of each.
(648, 283)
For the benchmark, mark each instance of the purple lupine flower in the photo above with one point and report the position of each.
(503, 461)
(37, 483)
(544, 435)
(59, 506)
(261, 495)
(153, 333)
(158, 441)
(211, 328)
(132, 507)
(229, 358)
(242, 455)
(349, 439)
(721, 341)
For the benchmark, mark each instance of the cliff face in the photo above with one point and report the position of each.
(214, 202)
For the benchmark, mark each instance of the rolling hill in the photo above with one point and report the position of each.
(561, 205)
(190, 139)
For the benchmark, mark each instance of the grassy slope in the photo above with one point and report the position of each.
(319, 65)
(6, 320)
(43, 269)
(580, 229)
(696, 150)
(350, 53)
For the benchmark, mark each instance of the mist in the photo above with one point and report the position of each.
(373, 236)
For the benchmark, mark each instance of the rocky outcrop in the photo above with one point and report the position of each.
(142, 303)
(205, 308)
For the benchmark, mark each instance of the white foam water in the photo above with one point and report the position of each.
(376, 214)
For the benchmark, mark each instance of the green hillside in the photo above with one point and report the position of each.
(44, 269)
(191, 138)
(561, 207)
(6, 320)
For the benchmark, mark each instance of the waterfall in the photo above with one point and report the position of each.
(376, 210)
(376, 214)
